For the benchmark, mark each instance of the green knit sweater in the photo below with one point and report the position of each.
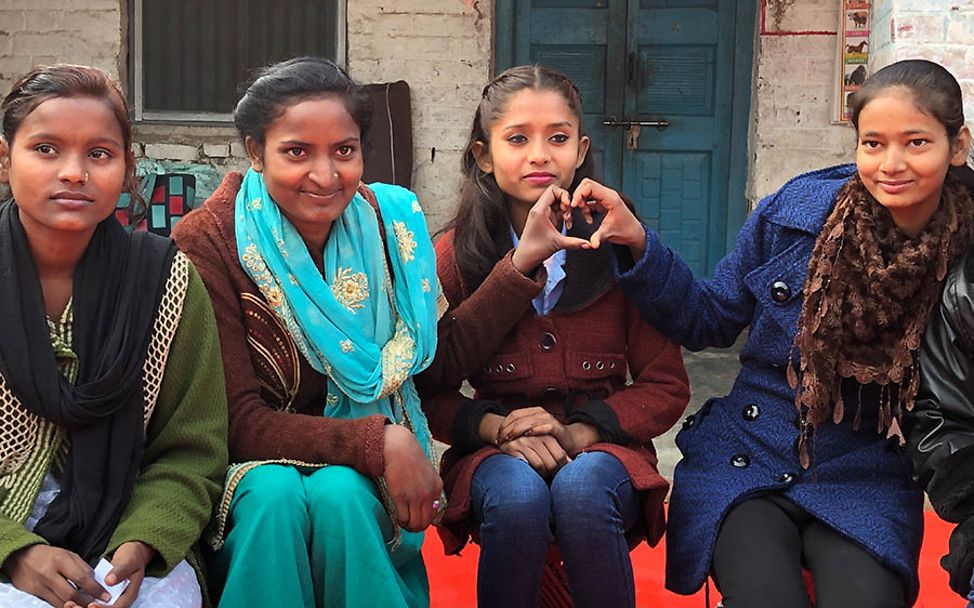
(185, 455)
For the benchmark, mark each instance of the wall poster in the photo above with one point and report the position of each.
(852, 54)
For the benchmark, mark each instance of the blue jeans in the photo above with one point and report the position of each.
(587, 509)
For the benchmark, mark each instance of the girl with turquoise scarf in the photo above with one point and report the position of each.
(327, 300)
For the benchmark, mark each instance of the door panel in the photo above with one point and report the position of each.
(685, 57)
(650, 60)
(585, 40)
(673, 193)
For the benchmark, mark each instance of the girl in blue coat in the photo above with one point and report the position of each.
(834, 276)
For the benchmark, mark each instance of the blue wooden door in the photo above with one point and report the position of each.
(585, 40)
(685, 64)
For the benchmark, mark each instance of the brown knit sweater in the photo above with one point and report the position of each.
(275, 397)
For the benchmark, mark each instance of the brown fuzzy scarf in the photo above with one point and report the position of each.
(869, 291)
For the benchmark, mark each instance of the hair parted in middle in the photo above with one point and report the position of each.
(281, 85)
(481, 225)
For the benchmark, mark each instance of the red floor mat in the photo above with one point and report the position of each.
(453, 580)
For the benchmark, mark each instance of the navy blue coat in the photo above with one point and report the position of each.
(745, 444)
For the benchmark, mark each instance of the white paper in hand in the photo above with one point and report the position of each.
(101, 571)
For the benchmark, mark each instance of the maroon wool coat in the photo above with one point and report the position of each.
(572, 362)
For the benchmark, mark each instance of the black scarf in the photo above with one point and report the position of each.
(118, 286)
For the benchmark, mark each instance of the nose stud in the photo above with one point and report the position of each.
(85, 180)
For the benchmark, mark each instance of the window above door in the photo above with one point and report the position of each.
(189, 58)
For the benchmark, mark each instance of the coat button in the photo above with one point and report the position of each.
(740, 461)
(550, 392)
(547, 341)
(751, 412)
(689, 421)
(780, 292)
(786, 478)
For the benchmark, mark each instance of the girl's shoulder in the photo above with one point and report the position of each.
(444, 243)
(445, 257)
(806, 200)
(391, 199)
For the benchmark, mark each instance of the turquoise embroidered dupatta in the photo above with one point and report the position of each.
(369, 332)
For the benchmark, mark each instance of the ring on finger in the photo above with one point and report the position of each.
(439, 508)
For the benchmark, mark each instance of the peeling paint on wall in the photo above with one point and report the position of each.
(777, 9)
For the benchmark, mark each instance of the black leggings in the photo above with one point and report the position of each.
(762, 546)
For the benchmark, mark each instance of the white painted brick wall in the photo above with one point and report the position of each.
(792, 130)
(442, 49)
(181, 152)
(50, 31)
(938, 30)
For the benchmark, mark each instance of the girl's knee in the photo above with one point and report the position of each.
(591, 481)
(271, 494)
(338, 489)
(509, 489)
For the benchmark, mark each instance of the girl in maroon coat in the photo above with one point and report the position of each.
(556, 446)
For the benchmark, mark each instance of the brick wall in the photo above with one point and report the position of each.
(938, 30)
(52, 31)
(791, 129)
(442, 48)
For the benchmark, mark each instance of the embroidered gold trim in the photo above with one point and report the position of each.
(406, 241)
(271, 291)
(213, 536)
(397, 357)
(350, 288)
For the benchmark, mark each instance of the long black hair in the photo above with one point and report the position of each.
(481, 234)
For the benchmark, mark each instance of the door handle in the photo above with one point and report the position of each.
(659, 124)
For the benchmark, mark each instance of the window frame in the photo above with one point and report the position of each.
(136, 53)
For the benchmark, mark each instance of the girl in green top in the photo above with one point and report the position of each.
(112, 415)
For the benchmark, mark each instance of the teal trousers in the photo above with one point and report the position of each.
(315, 538)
